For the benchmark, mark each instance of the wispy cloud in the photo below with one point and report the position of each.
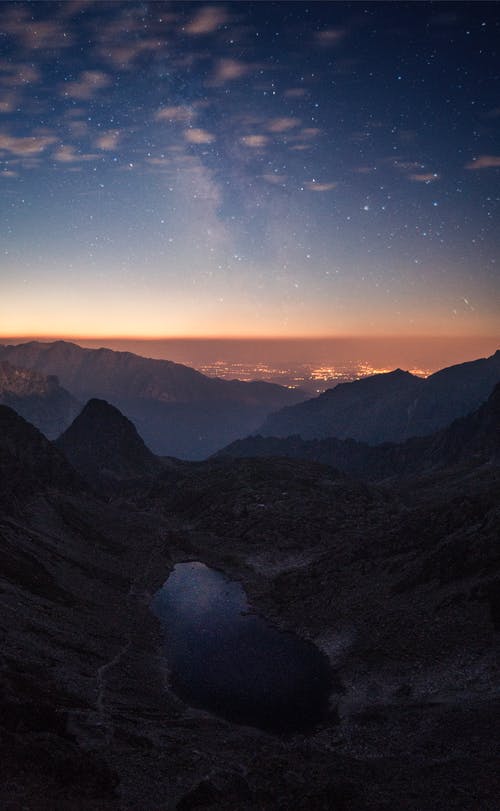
(313, 185)
(227, 70)
(207, 20)
(254, 141)
(274, 178)
(195, 135)
(124, 55)
(25, 145)
(175, 113)
(86, 87)
(34, 35)
(108, 141)
(283, 124)
(424, 177)
(484, 162)
(8, 102)
(330, 36)
(18, 74)
(295, 93)
(68, 154)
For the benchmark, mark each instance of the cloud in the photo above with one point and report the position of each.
(313, 185)
(404, 165)
(178, 113)
(67, 154)
(275, 179)
(195, 135)
(295, 93)
(425, 177)
(254, 141)
(9, 102)
(310, 132)
(108, 141)
(330, 36)
(35, 35)
(484, 162)
(227, 70)
(86, 87)
(283, 124)
(17, 75)
(207, 20)
(25, 145)
(124, 55)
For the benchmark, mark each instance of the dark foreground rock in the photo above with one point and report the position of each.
(398, 586)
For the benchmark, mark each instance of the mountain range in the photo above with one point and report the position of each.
(389, 407)
(177, 410)
(397, 582)
(476, 436)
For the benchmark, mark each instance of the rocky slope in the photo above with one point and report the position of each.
(399, 586)
(476, 436)
(389, 407)
(38, 398)
(177, 410)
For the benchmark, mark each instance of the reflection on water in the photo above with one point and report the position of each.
(236, 664)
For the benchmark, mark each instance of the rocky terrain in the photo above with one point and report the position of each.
(389, 407)
(177, 410)
(397, 584)
(38, 398)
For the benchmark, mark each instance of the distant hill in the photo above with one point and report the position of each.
(37, 398)
(389, 407)
(473, 439)
(178, 411)
(104, 446)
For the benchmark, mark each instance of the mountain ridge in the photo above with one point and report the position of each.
(389, 407)
(178, 410)
(475, 437)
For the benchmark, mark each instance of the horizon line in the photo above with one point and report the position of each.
(324, 337)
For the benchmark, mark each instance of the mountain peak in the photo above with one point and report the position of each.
(102, 443)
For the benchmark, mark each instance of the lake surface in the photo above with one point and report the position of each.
(236, 664)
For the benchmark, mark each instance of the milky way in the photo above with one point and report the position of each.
(249, 168)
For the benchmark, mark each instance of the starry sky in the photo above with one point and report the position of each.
(249, 169)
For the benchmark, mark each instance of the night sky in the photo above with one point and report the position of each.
(249, 168)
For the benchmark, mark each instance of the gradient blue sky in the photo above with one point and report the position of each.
(176, 169)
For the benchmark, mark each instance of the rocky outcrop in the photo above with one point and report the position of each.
(37, 398)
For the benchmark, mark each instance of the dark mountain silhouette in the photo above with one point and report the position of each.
(102, 444)
(29, 463)
(472, 439)
(39, 399)
(177, 410)
(389, 407)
